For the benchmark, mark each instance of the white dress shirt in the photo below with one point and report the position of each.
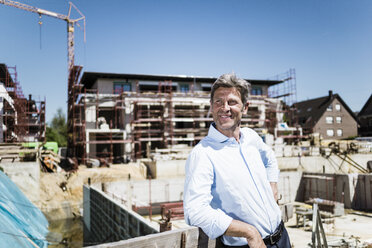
(227, 180)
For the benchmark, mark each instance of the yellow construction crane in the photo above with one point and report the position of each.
(70, 23)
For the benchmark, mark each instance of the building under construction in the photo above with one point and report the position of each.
(21, 119)
(123, 117)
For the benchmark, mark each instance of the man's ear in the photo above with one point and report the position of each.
(245, 108)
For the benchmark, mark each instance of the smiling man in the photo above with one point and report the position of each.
(231, 176)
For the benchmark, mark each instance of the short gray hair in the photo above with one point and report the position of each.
(230, 80)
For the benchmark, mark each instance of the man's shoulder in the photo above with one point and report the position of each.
(249, 135)
(203, 145)
(248, 131)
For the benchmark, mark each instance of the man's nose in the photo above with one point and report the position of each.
(226, 106)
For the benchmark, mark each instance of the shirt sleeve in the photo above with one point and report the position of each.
(268, 159)
(197, 197)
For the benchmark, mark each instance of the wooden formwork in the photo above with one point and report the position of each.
(354, 190)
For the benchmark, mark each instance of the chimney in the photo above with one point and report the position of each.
(330, 93)
(29, 97)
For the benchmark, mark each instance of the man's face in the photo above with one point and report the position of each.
(227, 110)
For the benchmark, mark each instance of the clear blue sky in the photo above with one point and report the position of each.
(328, 42)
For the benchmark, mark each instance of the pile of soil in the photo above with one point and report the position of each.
(61, 194)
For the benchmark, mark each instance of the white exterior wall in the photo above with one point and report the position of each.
(105, 86)
(4, 96)
(90, 117)
(1, 119)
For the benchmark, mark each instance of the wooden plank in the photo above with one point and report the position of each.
(9, 144)
(16, 151)
(180, 238)
(12, 151)
(314, 227)
(6, 148)
(325, 245)
(11, 157)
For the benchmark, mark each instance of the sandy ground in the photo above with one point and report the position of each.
(61, 196)
(354, 227)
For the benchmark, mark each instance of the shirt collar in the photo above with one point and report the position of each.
(218, 136)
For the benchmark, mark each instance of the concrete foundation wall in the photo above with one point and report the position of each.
(171, 190)
(138, 192)
(167, 168)
(287, 186)
(362, 199)
(108, 221)
(176, 168)
(317, 164)
(354, 190)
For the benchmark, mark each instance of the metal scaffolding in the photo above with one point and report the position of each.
(24, 118)
(133, 122)
(125, 125)
(287, 92)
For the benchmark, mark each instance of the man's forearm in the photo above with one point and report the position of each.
(241, 229)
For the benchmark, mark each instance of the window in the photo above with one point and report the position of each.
(329, 119)
(206, 86)
(184, 88)
(330, 108)
(338, 119)
(338, 107)
(339, 132)
(120, 87)
(256, 91)
(309, 109)
(330, 132)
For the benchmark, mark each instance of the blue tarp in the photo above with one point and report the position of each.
(21, 223)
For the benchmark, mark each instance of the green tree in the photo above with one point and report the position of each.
(57, 129)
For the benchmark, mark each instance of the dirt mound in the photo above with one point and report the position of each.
(61, 194)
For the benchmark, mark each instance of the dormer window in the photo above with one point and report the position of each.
(330, 108)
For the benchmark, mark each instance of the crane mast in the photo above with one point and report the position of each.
(70, 23)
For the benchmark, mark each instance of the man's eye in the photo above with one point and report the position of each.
(233, 102)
